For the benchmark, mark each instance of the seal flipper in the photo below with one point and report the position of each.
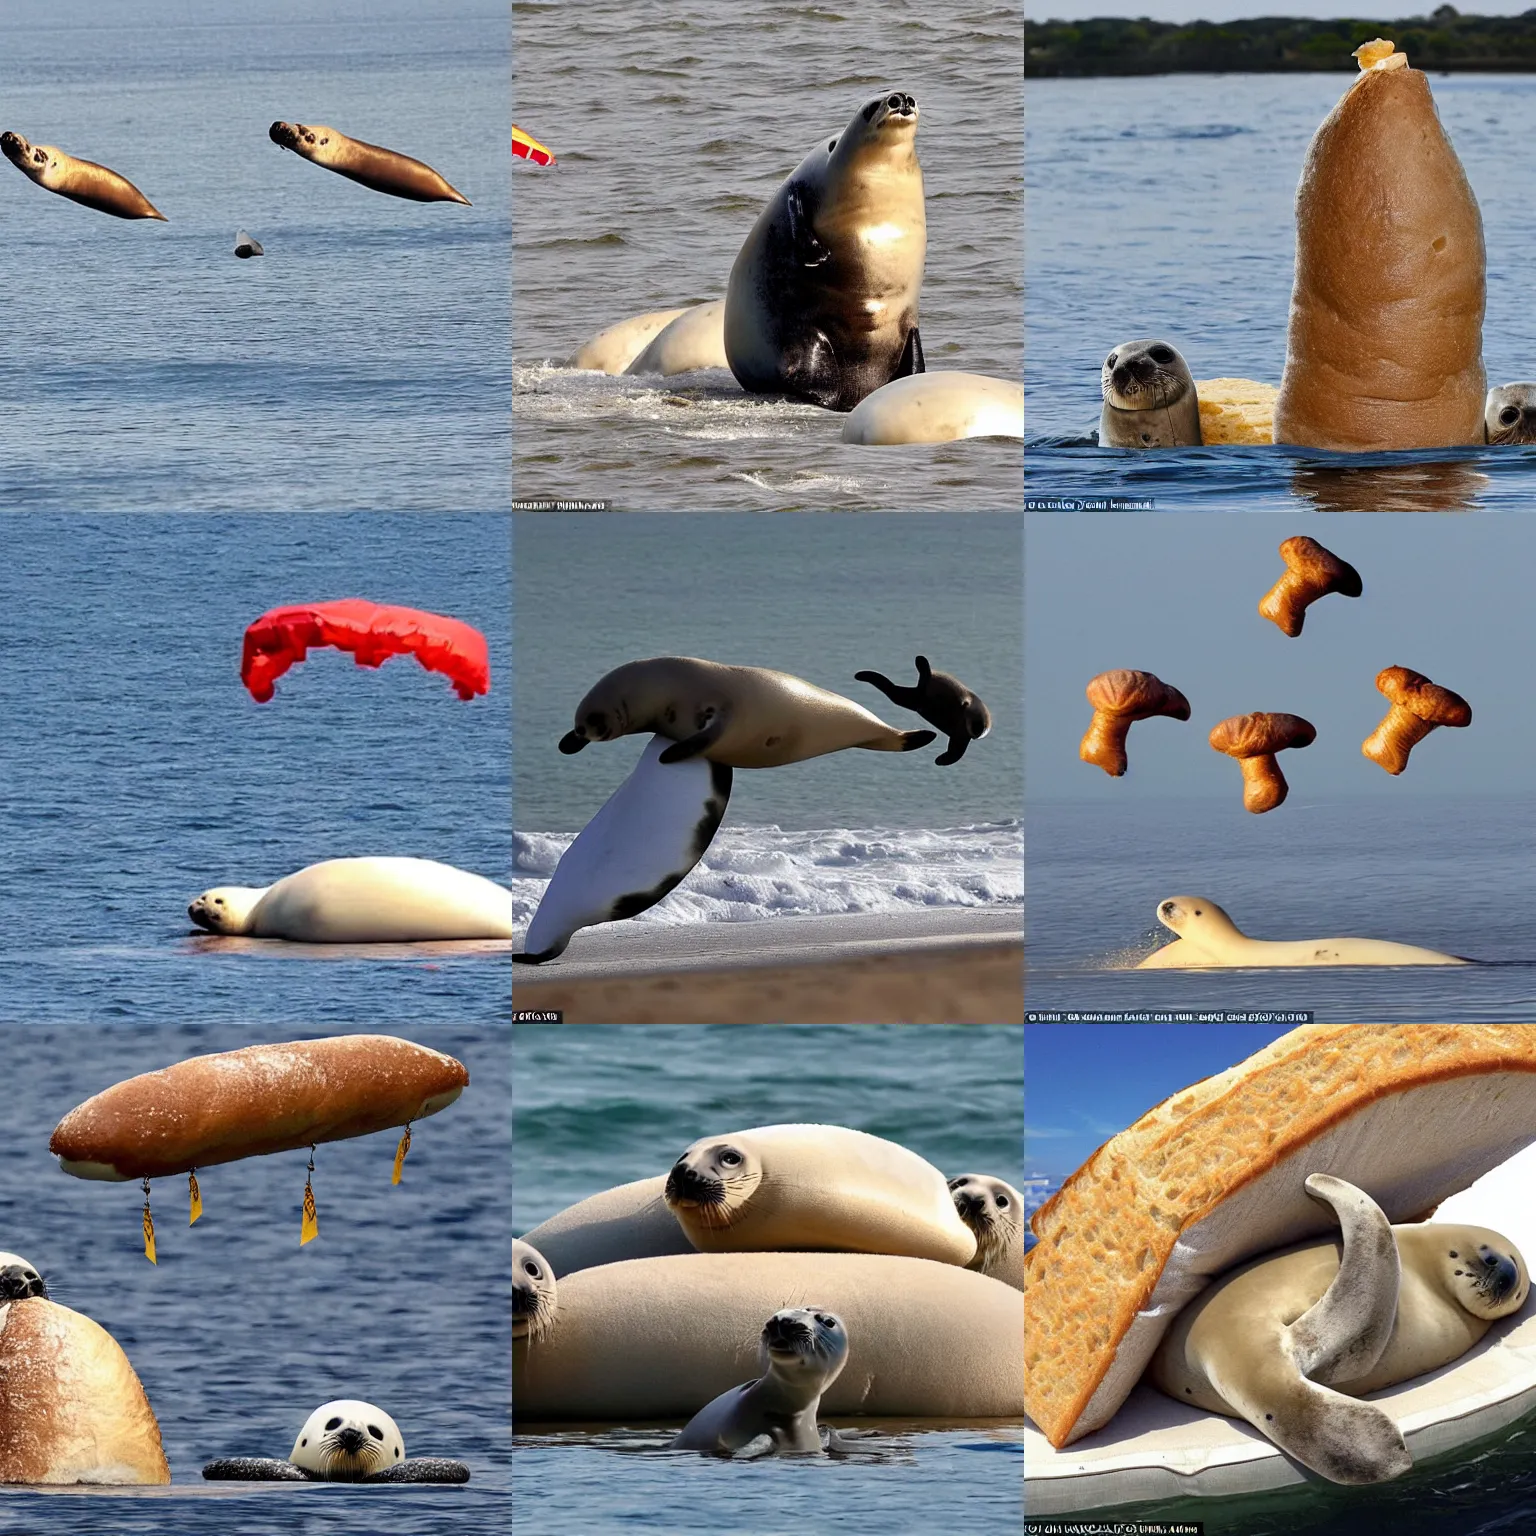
(810, 369)
(572, 743)
(907, 698)
(700, 741)
(954, 751)
(422, 1469)
(759, 1445)
(809, 251)
(911, 357)
(254, 1469)
(912, 740)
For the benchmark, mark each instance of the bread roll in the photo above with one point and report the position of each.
(265, 1098)
(1236, 412)
(1385, 346)
(71, 1408)
(1410, 1113)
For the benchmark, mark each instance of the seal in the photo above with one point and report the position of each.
(822, 299)
(20, 1279)
(1208, 937)
(695, 339)
(1509, 414)
(939, 407)
(382, 169)
(361, 901)
(535, 1296)
(1292, 1340)
(1149, 398)
(797, 1187)
(81, 181)
(648, 835)
(744, 717)
(804, 1350)
(630, 1221)
(994, 1212)
(614, 349)
(942, 701)
(245, 247)
(345, 1441)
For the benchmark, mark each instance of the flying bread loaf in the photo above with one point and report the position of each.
(1385, 344)
(1215, 1175)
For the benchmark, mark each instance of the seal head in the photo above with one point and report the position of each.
(942, 701)
(1149, 398)
(711, 1181)
(19, 1279)
(534, 1295)
(1509, 416)
(346, 1441)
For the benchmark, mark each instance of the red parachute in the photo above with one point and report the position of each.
(372, 632)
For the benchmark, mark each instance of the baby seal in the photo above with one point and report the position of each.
(941, 700)
(994, 1211)
(534, 1297)
(1149, 398)
(803, 1351)
(1510, 414)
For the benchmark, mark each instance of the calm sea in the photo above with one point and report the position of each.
(673, 127)
(597, 1107)
(362, 362)
(1162, 207)
(135, 770)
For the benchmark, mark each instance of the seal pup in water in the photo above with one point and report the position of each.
(803, 1351)
(1291, 1341)
(1509, 416)
(941, 700)
(81, 181)
(345, 1441)
(1149, 398)
(382, 169)
(822, 299)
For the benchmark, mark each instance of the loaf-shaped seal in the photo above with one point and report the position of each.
(265, 1098)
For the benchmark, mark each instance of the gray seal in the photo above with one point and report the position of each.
(1509, 416)
(942, 701)
(1149, 398)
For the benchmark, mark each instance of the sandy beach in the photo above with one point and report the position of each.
(950, 965)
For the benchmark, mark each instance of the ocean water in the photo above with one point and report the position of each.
(238, 1333)
(672, 131)
(1450, 873)
(818, 597)
(595, 1107)
(135, 770)
(1163, 206)
(361, 362)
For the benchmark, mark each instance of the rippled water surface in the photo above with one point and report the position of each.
(672, 130)
(1163, 207)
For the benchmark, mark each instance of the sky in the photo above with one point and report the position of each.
(1176, 594)
(1238, 10)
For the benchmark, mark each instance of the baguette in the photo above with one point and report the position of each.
(1212, 1176)
(246, 1103)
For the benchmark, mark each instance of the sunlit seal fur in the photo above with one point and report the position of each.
(1149, 398)
(822, 300)
(535, 1297)
(649, 834)
(937, 407)
(81, 181)
(384, 170)
(803, 1351)
(744, 717)
(1380, 1306)
(1510, 414)
(695, 339)
(994, 1212)
(943, 701)
(613, 349)
(630, 1221)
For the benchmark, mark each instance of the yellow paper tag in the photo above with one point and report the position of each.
(311, 1226)
(400, 1151)
(149, 1237)
(197, 1198)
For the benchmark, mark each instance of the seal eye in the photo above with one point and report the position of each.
(305, 1440)
(831, 145)
(1509, 416)
(1161, 355)
(530, 1268)
(730, 1159)
(1199, 912)
(894, 103)
(1111, 360)
(331, 1424)
(1002, 1202)
(375, 1431)
(1454, 1254)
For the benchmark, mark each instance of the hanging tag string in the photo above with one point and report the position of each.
(400, 1151)
(310, 1226)
(195, 1196)
(149, 1228)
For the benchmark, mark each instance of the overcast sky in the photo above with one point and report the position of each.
(1236, 10)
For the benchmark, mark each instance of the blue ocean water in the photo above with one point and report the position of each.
(362, 362)
(1162, 206)
(594, 1107)
(238, 1333)
(135, 770)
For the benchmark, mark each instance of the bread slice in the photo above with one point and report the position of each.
(1411, 1113)
(1236, 412)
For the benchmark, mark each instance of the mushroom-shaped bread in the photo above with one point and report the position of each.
(1311, 572)
(1119, 698)
(1418, 706)
(1253, 740)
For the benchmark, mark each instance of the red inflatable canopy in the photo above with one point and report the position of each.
(372, 632)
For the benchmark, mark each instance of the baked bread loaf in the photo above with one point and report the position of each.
(1236, 412)
(1410, 1113)
(265, 1098)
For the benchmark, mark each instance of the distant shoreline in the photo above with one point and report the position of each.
(1445, 42)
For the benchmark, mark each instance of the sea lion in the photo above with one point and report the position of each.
(19, 1279)
(245, 247)
(361, 901)
(744, 717)
(799, 1187)
(535, 1295)
(940, 407)
(345, 1441)
(612, 350)
(1209, 938)
(994, 1212)
(822, 299)
(81, 181)
(1509, 415)
(1149, 398)
(941, 700)
(631, 1221)
(382, 169)
(1379, 1306)
(649, 834)
(804, 1350)
(694, 339)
